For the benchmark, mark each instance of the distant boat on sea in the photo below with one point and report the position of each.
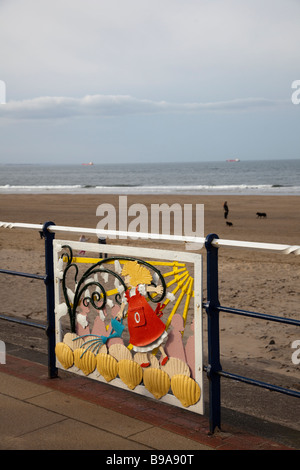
(88, 164)
(233, 160)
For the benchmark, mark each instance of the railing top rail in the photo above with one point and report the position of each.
(105, 233)
(276, 247)
(280, 248)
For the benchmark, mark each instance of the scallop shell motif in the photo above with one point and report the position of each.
(156, 381)
(154, 362)
(107, 366)
(71, 341)
(65, 355)
(140, 359)
(103, 349)
(185, 389)
(87, 363)
(130, 373)
(120, 352)
(175, 366)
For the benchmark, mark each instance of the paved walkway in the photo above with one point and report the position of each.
(75, 413)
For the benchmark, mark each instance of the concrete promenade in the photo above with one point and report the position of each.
(75, 413)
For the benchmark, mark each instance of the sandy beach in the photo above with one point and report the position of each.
(248, 279)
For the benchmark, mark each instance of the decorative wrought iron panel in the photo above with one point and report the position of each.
(131, 318)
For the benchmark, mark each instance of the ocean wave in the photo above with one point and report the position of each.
(38, 187)
(151, 189)
(112, 186)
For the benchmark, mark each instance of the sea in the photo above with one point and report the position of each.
(255, 177)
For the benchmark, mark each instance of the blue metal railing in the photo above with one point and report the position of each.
(213, 308)
(48, 279)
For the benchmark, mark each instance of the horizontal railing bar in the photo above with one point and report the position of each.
(16, 273)
(283, 249)
(262, 316)
(23, 322)
(107, 233)
(125, 234)
(21, 225)
(258, 383)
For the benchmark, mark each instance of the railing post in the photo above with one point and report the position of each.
(214, 365)
(49, 282)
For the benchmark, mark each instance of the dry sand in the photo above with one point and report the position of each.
(251, 280)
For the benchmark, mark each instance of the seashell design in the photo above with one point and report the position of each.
(156, 381)
(107, 366)
(130, 373)
(71, 341)
(103, 349)
(140, 359)
(185, 389)
(87, 342)
(154, 361)
(64, 354)
(120, 352)
(86, 362)
(175, 366)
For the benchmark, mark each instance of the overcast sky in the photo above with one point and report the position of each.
(148, 80)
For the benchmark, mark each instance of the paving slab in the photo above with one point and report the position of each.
(161, 439)
(88, 413)
(34, 417)
(76, 413)
(69, 434)
(19, 418)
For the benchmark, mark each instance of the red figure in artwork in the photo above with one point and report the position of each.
(147, 331)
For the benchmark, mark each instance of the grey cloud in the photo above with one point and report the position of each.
(119, 105)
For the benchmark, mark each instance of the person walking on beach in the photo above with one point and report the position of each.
(226, 210)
